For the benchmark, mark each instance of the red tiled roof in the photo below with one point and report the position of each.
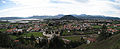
(91, 39)
(16, 40)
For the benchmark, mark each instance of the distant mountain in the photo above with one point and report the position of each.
(40, 17)
(61, 16)
(69, 17)
(11, 18)
(47, 17)
(84, 16)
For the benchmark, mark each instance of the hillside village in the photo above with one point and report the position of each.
(46, 33)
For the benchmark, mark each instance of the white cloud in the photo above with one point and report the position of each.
(46, 7)
(3, 1)
(31, 2)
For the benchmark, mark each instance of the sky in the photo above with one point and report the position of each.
(26, 8)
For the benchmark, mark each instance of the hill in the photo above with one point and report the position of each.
(111, 43)
(84, 16)
(10, 18)
(47, 17)
(61, 16)
(68, 17)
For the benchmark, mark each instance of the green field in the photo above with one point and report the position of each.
(36, 34)
(97, 26)
(4, 23)
(13, 37)
(66, 33)
(3, 30)
(73, 38)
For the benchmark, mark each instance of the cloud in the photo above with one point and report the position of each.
(57, 1)
(116, 6)
(54, 7)
(3, 1)
(4, 4)
(82, 1)
(117, 1)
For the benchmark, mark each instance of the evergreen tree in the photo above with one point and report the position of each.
(32, 39)
(104, 34)
(5, 40)
(56, 43)
(22, 40)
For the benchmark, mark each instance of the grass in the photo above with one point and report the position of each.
(110, 43)
(36, 34)
(4, 23)
(3, 30)
(116, 22)
(13, 37)
(67, 33)
(73, 38)
(97, 26)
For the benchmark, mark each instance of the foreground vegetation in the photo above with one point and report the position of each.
(36, 34)
(111, 43)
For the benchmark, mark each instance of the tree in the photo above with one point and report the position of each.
(22, 46)
(42, 43)
(104, 27)
(32, 39)
(5, 40)
(56, 43)
(22, 40)
(104, 35)
(74, 44)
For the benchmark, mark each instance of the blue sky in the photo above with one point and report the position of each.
(26, 8)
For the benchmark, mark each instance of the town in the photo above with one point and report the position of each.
(57, 33)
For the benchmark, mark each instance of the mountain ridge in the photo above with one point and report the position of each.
(68, 17)
(82, 16)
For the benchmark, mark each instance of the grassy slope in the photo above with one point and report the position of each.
(111, 43)
(36, 34)
(97, 26)
(73, 38)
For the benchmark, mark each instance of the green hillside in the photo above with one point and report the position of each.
(111, 43)
(68, 17)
